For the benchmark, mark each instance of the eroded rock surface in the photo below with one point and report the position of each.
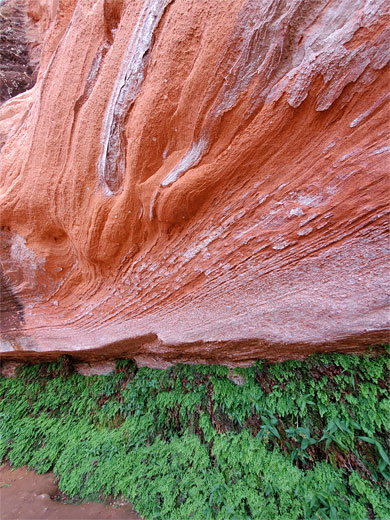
(198, 181)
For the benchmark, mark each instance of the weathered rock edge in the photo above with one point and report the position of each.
(150, 351)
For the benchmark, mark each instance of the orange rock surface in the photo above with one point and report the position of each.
(197, 181)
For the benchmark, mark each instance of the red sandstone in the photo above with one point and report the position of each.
(197, 181)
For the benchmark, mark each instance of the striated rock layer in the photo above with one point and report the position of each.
(198, 181)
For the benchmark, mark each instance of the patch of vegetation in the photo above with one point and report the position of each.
(294, 440)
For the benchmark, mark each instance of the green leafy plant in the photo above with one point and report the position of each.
(302, 437)
(384, 462)
(295, 440)
(268, 428)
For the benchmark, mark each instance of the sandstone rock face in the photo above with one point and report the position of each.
(197, 181)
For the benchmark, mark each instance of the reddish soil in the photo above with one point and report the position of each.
(24, 495)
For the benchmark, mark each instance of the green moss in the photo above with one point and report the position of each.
(296, 440)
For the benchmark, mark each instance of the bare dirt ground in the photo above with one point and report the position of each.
(24, 495)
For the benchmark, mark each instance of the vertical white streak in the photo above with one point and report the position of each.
(152, 204)
(191, 158)
(126, 88)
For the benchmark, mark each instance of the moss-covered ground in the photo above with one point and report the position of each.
(294, 440)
